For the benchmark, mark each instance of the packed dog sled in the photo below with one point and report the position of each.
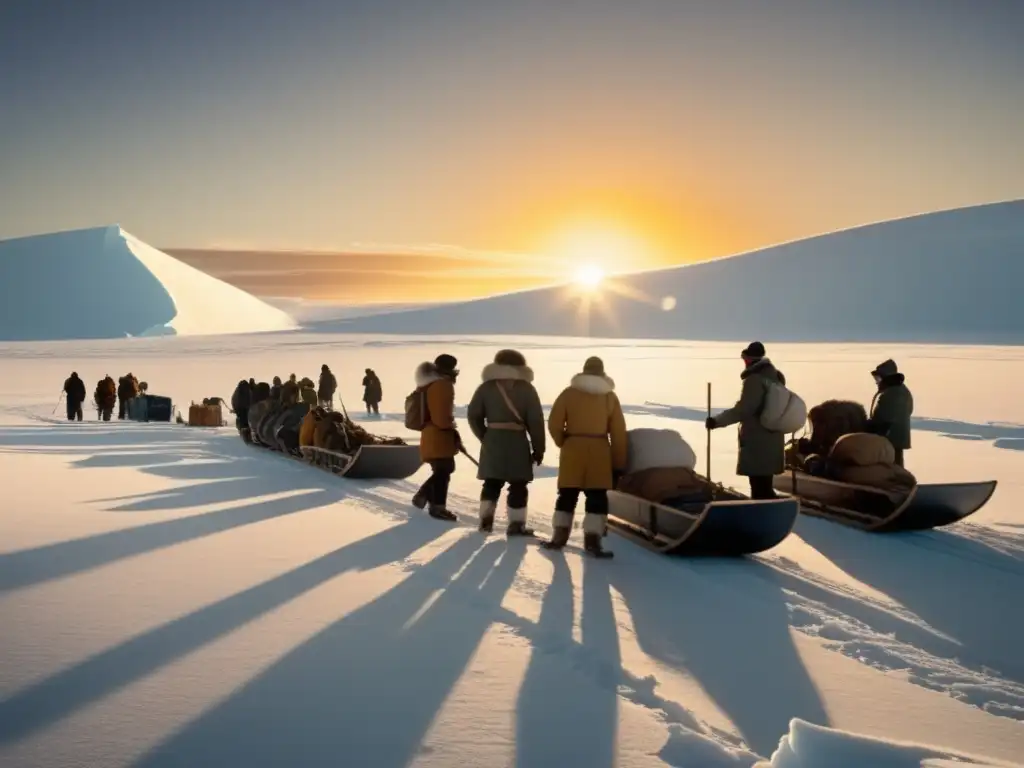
(643, 484)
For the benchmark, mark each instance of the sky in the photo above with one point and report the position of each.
(498, 141)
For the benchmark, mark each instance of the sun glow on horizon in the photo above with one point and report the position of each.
(589, 276)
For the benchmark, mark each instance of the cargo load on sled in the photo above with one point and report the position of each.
(850, 476)
(150, 408)
(330, 441)
(206, 414)
(662, 503)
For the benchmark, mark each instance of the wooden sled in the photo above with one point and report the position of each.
(369, 462)
(921, 508)
(730, 526)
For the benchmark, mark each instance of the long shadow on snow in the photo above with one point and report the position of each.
(53, 561)
(959, 586)
(93, 459)
(98, 437)
(728, 626)
(107, 672)
(559, 724)
(369, 686)
(242, 480)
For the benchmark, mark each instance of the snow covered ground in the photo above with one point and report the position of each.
(169, 596)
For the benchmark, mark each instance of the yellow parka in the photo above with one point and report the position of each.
(587, 424)
(308, 428)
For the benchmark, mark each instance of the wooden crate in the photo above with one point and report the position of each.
(204, 416)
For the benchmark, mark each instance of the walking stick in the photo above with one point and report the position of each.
(465, 453)
(707, 458)
(58, 403)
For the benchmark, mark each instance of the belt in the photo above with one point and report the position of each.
(506, 425)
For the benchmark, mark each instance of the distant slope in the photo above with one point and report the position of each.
(310, 313)
(104, 283)
(951, 277)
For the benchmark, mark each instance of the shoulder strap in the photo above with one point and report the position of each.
(508, 402)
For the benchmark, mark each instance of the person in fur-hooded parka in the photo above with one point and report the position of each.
(762, 452)
(506, 416)
(586, 422)
(440, 440)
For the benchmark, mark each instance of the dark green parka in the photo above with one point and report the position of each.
(762, 452)
(507, 454)
(892, 407)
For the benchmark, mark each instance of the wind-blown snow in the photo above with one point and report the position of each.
(947, 277)
(170, 596)
(811, 746)
(105, 283)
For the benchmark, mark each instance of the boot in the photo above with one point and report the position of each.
(439, 512)
(592, 546)
(419, 501)
(487, 516)
(559, 539)
(561, 526)
(518, 529)
(517, 522)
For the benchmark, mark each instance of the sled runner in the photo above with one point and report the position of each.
(874, 509)
(730, 526)
(369, 462)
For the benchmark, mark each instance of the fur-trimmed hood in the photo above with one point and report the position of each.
(595, 385)
(427, 373)
(763, 366)
(496, 372)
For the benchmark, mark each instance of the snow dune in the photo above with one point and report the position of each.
(946, 277)
(170, 597)
(811, 746)
(105, 283)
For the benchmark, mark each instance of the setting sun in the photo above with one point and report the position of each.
(589, 276)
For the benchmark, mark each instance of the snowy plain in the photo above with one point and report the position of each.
(170, 596)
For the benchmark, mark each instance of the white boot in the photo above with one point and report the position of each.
(561, 525)
(517, 523)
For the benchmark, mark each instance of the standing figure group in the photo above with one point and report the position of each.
(587, 424)
(762, 450)
(505, 414)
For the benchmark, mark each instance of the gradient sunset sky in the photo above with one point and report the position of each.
(482, 138)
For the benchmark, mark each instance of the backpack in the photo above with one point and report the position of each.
(783, 411)
(416, 416)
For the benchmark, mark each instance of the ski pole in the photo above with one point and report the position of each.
(708, 457)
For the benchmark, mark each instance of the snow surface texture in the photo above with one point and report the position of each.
(105, 283)
(947, 277)
(170, 596)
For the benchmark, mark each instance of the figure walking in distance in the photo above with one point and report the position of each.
(74, 389)
(328, 385)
